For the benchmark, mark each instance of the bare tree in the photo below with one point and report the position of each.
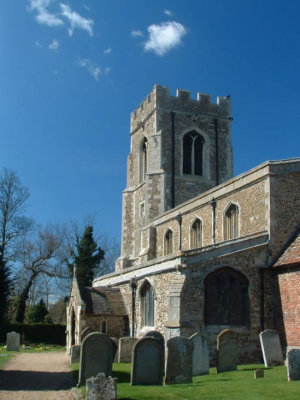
(13, 197)
(40, 256)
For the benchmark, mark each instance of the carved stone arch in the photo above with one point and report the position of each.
(227, 299)
(205, 150)
(147, 299)
(151, 282)
(231, 221)
(191, 244)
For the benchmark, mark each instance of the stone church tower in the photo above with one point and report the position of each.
(179, 148)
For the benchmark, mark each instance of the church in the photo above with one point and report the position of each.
(201, 250)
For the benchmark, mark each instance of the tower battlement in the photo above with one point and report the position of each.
(160, 98)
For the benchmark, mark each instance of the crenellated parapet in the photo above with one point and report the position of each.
(160, 98)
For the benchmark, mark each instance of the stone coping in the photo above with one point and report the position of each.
(174, 261)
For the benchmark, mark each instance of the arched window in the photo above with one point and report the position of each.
(143, 159)
(104, 327)
(168, 243)
(196, 234)
(192, 153)
(226, 298)
(231, 222)
(147, 305)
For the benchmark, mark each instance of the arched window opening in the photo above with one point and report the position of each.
(147, 305)
(193, 153)
(104, 327)
(231, 222)
(196, 234)
(226, 298)
(143, 159)
(168, 243)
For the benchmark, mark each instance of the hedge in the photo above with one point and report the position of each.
(36, 333)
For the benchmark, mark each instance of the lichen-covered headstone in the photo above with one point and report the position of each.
(13, 341)
(227, 351)
(101, 388)
(125, 349)
(96, 356)
(293, 364)
(200, 355)
(271, 347)
(75, 354)
(147, 362)
(179, 367)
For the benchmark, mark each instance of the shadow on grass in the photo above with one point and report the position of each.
(123, 377)
(34, 380)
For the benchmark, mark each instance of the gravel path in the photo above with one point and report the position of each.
(34, 376)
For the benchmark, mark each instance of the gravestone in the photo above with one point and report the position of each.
(157, 335)
(86, 331)
(75, 354)
(227, 351)
(125, 349)
(147, 362)
(101, 388)
(293, 364)
(96, 356)
(259, 373)
(271, 347)
(115, 348)
(13, 341)
(179, 367)
(200, 355)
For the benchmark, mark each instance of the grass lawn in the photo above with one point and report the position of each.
(237, 385)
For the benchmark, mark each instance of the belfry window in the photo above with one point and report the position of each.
(226, 298)
(168, 243)
(231, 222)
(143, 159)
(196, 234)
(147, 305)
(192, 153)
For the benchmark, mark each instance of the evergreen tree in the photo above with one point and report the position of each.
(38, 312)
(87, 258)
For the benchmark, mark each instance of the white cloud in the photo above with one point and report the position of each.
(164, 37)
(38, 44)
(107, 70)
(169, 13)
(107, 51)
(137, 33)
(54, 45)
(91, 67)
(43, 15)
(76, 20)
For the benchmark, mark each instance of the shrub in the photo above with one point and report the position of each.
(36, 333)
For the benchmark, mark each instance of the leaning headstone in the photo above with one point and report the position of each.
(271, 347)
(227, 351)
(75, 354)
(115, 348)
(86, 331)
(200, 355)
(147, 366)
(96, 356)
(13, 341)
(125, 349)
(259, 373)
(179, 367)
(101, 388)
(293, 364)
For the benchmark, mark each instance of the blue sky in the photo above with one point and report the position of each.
(72, 71)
